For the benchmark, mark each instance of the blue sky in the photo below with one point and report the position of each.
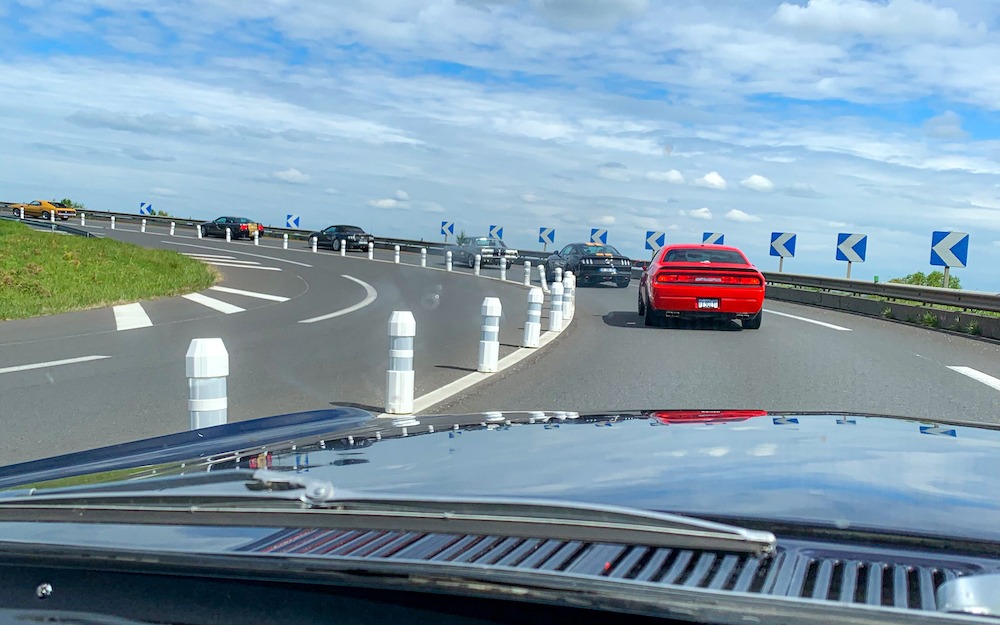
(744, 118)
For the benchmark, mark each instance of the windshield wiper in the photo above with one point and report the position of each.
(277, 499)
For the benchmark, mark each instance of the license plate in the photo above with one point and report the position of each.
(708, 303)
(607, 269)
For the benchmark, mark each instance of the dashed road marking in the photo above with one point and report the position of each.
(213, 303)
(51, 363)
(131, 316)
(226, 289)
(215, 249)
(819, 323)
(978, 376)
(222, 264)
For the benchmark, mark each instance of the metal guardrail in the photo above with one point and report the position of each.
(41, 224)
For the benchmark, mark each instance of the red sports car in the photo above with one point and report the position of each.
(694, 280)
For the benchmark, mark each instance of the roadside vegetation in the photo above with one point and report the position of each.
(42, 273)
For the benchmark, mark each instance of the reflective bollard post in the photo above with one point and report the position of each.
(256, 237)
(478, 264)
(533, 327)
(399, 376)
(527, 273)
(142, 228)
(343, 249)
(112, 220)
(447, 261)
(396, 254)
(197, 230)
(284, 241)
(207, 365)
(313, 243)
(83, 219)
(542, 279)
(371, 251)
(21, 211)
(52, 217)
(489, 339)
(556, 308)
(569, 295)
(503, 268)
(558, 275)
(423, 257)
(229, 235)
(173, 227)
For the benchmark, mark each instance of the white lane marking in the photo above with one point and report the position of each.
(819, 323)
(222, 264)
(211, 302)
(215, 249)
(226, 289)
(370, 295)
(215, 256)
(130, 316)
(235, 261)
(51, 363)
(978, 376)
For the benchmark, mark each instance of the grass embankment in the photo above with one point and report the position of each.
(42, 273)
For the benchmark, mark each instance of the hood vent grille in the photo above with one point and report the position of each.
(795, 570)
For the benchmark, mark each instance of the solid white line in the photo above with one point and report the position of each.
(370, 295)
(222, 264)
(235, 261)
(215, 249)
(197, 255)
(211, 302)
(226, 289)
(978, 376)
(52, 363)
(819, 323)
(130, 316)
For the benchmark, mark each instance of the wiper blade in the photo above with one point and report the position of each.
(277, 499)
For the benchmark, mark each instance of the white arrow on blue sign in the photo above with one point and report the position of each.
(292, 221)
(655, 240)
(447, 227)
(546, 235)
(713, 238)
(949, 249)
(599, 235)
(852, 247)
(145, 209)
(783, 244)
(937, 430)
(496, 232)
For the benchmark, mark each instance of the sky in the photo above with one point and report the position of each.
(744, 118)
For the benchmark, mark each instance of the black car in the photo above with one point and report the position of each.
(591, 263)
(239, 227)
(491, 252)
(350, 237)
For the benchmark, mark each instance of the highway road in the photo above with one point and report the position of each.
(123, 376)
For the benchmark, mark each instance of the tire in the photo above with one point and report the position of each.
(642, 305)
(336, 245)
(510, 264)
(45, 215)
(204, 231)
(471, 261)
(621, 284)
(753, 323)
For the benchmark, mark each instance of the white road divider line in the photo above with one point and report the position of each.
(370, 295)
(215, 256)
(131, 316)
(51, 363)
(226, 289)
(222, 264)
(213, 303)
(796, 317)
(235, 261)
(203, 247)
(978, 376)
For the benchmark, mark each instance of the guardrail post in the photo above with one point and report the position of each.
(256, 237)
(478, 265)
(569, 295)
(284, 241)
(447, 260)
(542, 279)
(558, 275)
(527, 273)
(173, 226)
(229, 235)
(556, 308)
(112, 220)
(83, 219)
(533, 327)
(142, 228)
(489, 340)
(396, 254)
(371, 251)
(313, 242)
(207, 365)
(423, 257)
(399, 376)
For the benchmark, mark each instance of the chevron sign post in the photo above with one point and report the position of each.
(853, 248)
(546, 236)
(655, 240)
(713, 238)
(291, 221)
(447, 227)
(599, 235)
(949, 249)
(496, 232)
(782, 245)
(145, 208)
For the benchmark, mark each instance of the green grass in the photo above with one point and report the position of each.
(42, 273)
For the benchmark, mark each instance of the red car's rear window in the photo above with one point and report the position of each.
(701, 255)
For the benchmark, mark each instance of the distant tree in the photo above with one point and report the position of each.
(69, 202)
(462, 238)
(934, 278)
(162, 213)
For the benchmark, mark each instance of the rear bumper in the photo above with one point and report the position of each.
(593, 276)
(730, 304)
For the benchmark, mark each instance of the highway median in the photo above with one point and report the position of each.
(45, 273)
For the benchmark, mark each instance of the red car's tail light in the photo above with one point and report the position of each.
(243, 226)
(707, 278)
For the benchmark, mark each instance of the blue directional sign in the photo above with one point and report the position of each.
(785, 420)
(949, 249)
(783, 244)
(599, 235)
(852, 247)
(713, 238)
(655, 240)
(937, 430)
(145, 208)
(496, 232)
(546, 235)
(447, 227)
(292, 221)
(846, 421)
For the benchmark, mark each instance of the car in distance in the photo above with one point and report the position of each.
(701, 281)
(491, 251)
(44, 209)
(591, 263)
(351, 237)
(241, 227)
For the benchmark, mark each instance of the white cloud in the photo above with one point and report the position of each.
(711, 180)
(614, 171)
(402, 195)
(529, 198)
(291, 176)
(895, 18)
(703, 213)
(672, 176)
(741, 217)
(757, 182)
(431, 207)
(330, 191)
(163, 192)
(605, 220)
(386, 202)
(947, 125)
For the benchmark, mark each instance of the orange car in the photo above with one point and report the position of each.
(701, 281)
(44, 209)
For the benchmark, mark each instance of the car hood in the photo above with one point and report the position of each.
(838, 471)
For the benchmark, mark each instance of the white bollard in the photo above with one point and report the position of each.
(21, 210)
(533, 327)
(558, 275)
(447, 260)
(284, 241)
(256, 237)
(197, 230)
(229, 235)
(503, 268)
(489, 340)
(423, 257)
(343, 249)
(172, 227)
(556, 308)
(478, 264)
(207, 365)
(569, 295)
(527, 273)
(399, 376)
(396, 257)
(142, 228)
(83, 219)
(542, 278)
(371, 251)
(313, 240)
(52, 217)
(112, 221)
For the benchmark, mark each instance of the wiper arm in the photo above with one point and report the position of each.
(278, 499)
